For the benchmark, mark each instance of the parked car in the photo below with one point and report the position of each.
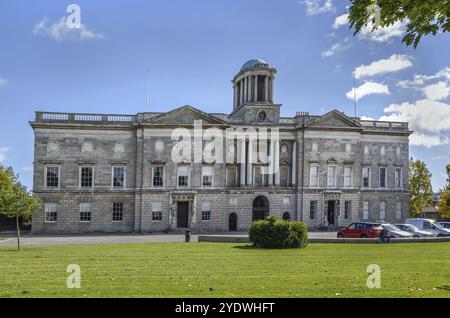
(429, 225)
(445, 224)
(361, 230)
(415, 231)
(395, 232)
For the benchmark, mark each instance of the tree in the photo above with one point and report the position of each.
(15, 201)
(422, 17)
(444, 199)
(419, 187)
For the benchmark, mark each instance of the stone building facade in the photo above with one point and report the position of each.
(128, 173)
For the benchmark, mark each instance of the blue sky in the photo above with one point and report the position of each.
(194, 48)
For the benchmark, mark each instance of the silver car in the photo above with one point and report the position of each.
(395, 232)
(415, 231)
(445, 224)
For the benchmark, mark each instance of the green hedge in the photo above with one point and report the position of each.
(275, 233)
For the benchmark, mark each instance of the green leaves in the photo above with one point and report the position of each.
(421, 17)
(419, 187)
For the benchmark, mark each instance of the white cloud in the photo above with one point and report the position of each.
(430, 121)
(438, 91)
(3, 82)
(59, 31)
(382, 34)
(28, 168)
(366, 118)
(337, 47)
(314, 7)
(3, 152)
(392, 64)
(340, 21)
(421, 80)
(366, 89)
(428, 141)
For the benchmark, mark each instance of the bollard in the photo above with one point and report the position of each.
(187, 237)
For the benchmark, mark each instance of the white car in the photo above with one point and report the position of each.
(395, 232)
(415, 231)
(429, 225)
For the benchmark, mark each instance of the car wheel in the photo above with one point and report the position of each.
(416, 236)
(364, 236)
(340, 235)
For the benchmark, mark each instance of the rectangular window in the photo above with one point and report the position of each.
(51, 213)
(117, 212)
(398, 210)
(312, 209)
(86, 177)
(365, 210)
(158, 177)
(348, 173)
(207, 176)
(348, 210)
(52, 177)
(382, 177)
(206, 211)
(183, 176)
(85, 212)
(314, 176)
(398, 178)
(156, 211)
(382, 211)
(366, 177)
(118, 177)
(331, 177)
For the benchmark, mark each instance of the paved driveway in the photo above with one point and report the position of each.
(34, 240)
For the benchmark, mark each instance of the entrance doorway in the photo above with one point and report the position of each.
(331, 216)
(260, 208)
(232, 222)
(182, 215)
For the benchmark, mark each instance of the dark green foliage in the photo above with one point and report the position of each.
(276, 233)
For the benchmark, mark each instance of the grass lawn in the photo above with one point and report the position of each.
(226, 270)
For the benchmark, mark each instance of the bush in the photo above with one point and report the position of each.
(276, 233)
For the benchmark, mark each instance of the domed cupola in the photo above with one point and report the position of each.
(254, 84)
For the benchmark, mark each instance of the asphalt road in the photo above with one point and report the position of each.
(33, 240)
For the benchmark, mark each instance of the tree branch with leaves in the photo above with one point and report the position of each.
(422, 17)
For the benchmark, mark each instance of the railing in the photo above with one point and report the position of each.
(384, 125)
(84, 118)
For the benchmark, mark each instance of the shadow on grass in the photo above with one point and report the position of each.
(250, 247)
(444, 287)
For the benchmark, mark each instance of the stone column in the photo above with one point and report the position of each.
(241, 92)
(234, 96)
(250, 163)
(242, 162)
(266, 90)
(245, 89)
(256, 88)
(277, 163)
(294, 164)
(271, 162)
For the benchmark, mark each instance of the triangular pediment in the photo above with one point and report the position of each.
(334, 119)
(186, 115)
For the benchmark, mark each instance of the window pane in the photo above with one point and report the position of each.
(313, 174)
(117, 211)
(118, 177)
(331, 176)
(207, 173)
(398, 178)
(158, 176)
(53, 177)
(86, 177)
(183, 176)
(365, 210)
(312, 209)
(348, 209)
(156, 206)
(366, 177)
(85, 212)
(157, 216)
(382, 210)
(51, 214)
(382, 177)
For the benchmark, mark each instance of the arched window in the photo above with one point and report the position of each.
(286, 216)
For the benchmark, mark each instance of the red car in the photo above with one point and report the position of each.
(361, 230)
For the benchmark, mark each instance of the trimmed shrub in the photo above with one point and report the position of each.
(276, 233)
